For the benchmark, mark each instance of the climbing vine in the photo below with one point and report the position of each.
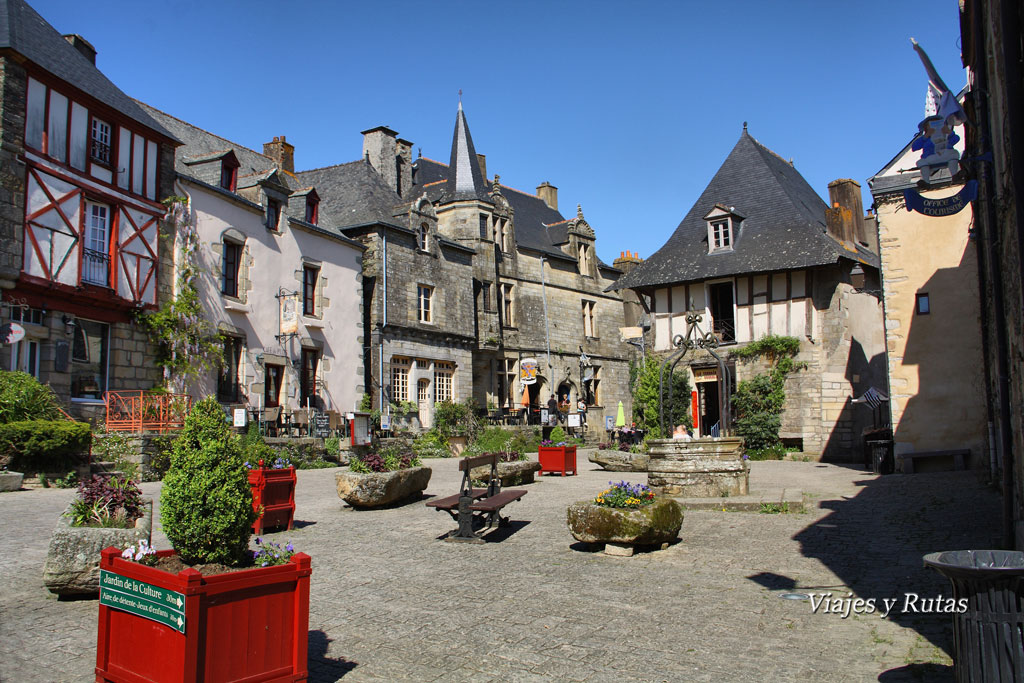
(758, 401)
(189, 347)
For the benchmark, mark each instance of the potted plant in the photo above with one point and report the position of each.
(557, 454)
(272, 486)
(456, 423)
(212, 608)
(108, 511)
(624, 516)
(376, 479)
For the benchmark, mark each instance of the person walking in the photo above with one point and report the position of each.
(553, 415)
(581, 408)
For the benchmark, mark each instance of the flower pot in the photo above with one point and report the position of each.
(273, 498)
(457, 444)
(514, 473)
(375, 489)
(73, 559)
(250, 625)
(557, 459)
(652, 524)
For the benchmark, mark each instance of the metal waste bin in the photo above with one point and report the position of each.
(988, 635)
(882, 461)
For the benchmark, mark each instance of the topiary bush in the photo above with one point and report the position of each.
(22, 397)
(206, 503)
(44, 445)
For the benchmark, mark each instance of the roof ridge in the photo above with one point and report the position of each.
(767, 149)
(202, 130)
(324, 168)
(433, 161)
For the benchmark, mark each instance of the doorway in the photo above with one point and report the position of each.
(423, 403)
(723, 319)
(708, 408)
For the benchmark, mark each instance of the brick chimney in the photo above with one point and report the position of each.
(549, 193)
(281, 152)
(845, 220)
(83, 46)
(627, 261)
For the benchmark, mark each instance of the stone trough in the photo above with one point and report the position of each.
(698, 468)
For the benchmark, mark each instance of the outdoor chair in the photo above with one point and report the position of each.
(271, 418)
(300, 422)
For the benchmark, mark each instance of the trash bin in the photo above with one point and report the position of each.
(872, 434)
(882, 461)
(988, 636)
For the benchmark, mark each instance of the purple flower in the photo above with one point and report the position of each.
(290, 548)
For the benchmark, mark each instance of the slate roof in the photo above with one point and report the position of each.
(352, 194)
(465, 181)
(784, 225)
(28, 34)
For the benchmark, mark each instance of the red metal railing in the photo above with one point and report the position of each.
(140, 411)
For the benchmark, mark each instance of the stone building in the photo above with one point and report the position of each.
(280, 285)
(760, 253)
(464, 278)
(84, 169)
(994, 155)
(932, 318)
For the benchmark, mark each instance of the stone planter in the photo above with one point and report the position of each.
(699, 468)
(381, 488)
(620, 461)
(621, 530)
(457, 444)
(11, 481)
(509, 473)
(73, 560)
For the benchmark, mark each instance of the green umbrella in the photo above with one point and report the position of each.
(620, 419)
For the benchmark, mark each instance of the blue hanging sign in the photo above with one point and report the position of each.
(946, 206)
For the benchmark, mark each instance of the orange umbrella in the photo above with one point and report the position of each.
(526, 397)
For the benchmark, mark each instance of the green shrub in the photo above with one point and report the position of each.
(332, 445)
(206, 503)
(773, 452)
(44, 445)
(508, 444)
(22, 398)
(557, 435)
(758, 401)
(431, 444)
(160, 459)
(455, 419)
(645, 378)
(115, 447)
(759, 430)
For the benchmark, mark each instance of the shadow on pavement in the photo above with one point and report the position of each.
(323, 669)
(914, 673)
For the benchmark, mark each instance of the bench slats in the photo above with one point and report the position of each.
(452, 502)
(467, 464)
(497, 501)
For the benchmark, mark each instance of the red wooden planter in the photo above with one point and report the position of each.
(251, 625)
(557, 459)
(273, 492)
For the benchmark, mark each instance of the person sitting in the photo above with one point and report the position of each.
(682, 432)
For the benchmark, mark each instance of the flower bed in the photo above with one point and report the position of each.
(378, 479)
(624, 516)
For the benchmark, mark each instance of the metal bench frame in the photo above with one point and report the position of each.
(476, 509)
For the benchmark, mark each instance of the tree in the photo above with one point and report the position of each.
(645, 381)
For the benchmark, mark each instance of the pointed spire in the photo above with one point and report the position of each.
(464, 178)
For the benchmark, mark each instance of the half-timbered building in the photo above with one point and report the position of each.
(758, 254)
(84, 172)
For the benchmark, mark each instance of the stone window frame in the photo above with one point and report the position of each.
(244, 282)
(506, 304)
(444, 381)
(583, 258)
(400, 372)
(485, 297)
(423, 237)
(273, 214)
(310, 288)
(425, 295)
(105, 344)
(224, 376)
(588, 308)
(321, 302)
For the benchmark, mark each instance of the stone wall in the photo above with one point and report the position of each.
(13, 86)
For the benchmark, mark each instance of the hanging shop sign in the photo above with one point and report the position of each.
(528, 371)
(945, 206)
(11, 333)
(289, 314)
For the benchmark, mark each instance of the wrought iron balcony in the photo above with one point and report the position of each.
(95, 267)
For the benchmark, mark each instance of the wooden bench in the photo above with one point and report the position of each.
(476, 509)
(907, 459)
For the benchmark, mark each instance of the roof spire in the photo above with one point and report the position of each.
(465, 180)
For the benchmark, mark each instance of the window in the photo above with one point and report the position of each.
(96, 256)
(443, 385)
(723, 318)
(506, 293)
(232, 262)
(99, 147)
(923, 305)
(721, 235)
(421, 237)
(228, 175)
(312, 209)
(593, 394)
(273, 213)
(423, 391)
(307, 380)
(589, 328)
(485, 297)
(500, 233)
(89, 359)
(25, 357)
(510, 381)
(425, 294)
(483, 226)
(272, 380)
(29, 316)
(310, 276)
(584, 259)
(227, 382)
(399, 379)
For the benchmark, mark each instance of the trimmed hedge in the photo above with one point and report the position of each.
(44, 445)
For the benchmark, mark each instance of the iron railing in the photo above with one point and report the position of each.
(141, 411)
(95, 267)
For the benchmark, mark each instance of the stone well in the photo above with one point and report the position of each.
(698, 468)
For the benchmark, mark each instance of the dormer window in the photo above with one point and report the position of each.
(273, 213)
(229, 174)
(721, 235)
(422, 237)
(99, 148)
(723, 226)
(312, 208)
(584, 259)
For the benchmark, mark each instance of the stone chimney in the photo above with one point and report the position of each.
(627, 261)
(403, 167)
(380, 149)
(83, 46)
(281, 152)
(482, 160)
(845, 220)
(549, 193)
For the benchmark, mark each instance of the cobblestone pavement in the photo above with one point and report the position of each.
(389, 602)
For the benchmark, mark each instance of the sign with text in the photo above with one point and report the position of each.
(289, 314)
(143, 599)
(11, 333)
(528, 371)
(322, 425)
(239, 417)
(574, 420)
(945, 206)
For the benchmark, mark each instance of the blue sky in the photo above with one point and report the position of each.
(627, 108)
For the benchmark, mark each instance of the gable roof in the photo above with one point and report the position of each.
(352, 194)
(783, 228)
(28, 34)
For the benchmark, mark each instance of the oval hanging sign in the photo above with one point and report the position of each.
(11, 333)
(528, 371)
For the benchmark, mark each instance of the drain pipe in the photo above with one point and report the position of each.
(384, 316)
(547, 334)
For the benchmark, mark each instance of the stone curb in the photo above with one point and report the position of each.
(794, 500)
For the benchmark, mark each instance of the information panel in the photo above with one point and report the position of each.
(143, 599)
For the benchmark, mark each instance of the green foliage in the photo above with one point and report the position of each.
(68, 482)
(774, 508)
(22, 398)
(510, 445)
(758, 401)
(206, 503)
(557, 435)
(44, 445)
(365, 403)
(645, 380)
(115, 447)
(455, 419)
(160, 459)
(775, 451)
(388, 459)
(332, 445)
(431, 444)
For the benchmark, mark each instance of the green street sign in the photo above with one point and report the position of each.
(143, 599)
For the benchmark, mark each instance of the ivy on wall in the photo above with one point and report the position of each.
(758, 401)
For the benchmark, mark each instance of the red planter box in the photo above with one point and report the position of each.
(273, 492)
(557, 459)
(251, 625)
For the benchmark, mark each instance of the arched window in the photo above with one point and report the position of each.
(422, 236)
